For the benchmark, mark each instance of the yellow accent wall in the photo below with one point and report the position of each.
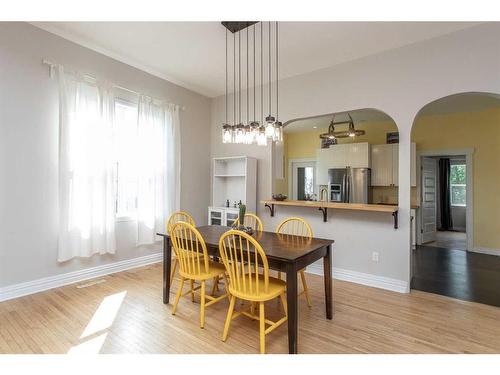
(481, 131)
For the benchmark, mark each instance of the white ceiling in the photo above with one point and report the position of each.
(191, 54)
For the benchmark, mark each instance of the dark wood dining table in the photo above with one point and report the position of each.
(285, 253)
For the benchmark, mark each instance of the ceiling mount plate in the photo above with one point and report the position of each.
(235, 26)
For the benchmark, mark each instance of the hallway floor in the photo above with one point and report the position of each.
(450, 240)
(456, 273)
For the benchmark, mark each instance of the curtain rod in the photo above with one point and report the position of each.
(52, 65)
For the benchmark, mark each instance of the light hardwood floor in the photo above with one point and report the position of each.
(125, 314)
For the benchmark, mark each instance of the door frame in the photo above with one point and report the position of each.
(290, 173)
(469, 209)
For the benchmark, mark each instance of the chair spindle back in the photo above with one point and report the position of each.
(190, 249)
(240, 252)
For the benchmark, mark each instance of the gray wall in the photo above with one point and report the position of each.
(29, 150)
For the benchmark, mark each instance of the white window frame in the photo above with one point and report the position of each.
(122, 217)
(464, 186)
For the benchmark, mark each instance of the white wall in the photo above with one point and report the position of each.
(29, 150)
(399, 82)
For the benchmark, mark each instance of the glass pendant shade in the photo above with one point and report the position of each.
(278, 132)
(240, 134)
(270, 126)
(261, 137)
(254, 130)
(248, 135)
(227, 133)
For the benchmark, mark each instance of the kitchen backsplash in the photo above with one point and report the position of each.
(389, 194)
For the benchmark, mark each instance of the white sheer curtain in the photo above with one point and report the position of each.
(159, 167)
(87, 181)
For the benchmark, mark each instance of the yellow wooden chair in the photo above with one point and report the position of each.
(238, 251)
(297, 226)
(252, 221)
(194, 265)
(175, 218)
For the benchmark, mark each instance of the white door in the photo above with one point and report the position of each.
(428, 200)
(303, 179)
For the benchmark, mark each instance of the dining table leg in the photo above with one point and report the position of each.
(327, 276)
(291, 299)
(167, 264)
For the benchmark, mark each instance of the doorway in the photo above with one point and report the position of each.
(446, 200)
(303, 181)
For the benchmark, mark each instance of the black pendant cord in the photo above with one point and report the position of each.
(253, 27)
(239, 77)
(226, 77)
(248, 87)
(269, 83)
(262, 72)
(234, 79)
(277, 71)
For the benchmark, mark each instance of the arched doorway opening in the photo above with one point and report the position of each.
(457, 141)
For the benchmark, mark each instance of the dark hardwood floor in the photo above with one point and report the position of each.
(456, 273)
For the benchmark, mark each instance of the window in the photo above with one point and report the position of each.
(458, 185)
(126, 158)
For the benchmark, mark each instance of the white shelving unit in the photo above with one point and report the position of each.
(234, 179)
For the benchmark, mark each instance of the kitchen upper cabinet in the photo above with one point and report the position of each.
(385, 165)
(358, 155)
(354, 155)
(382, 165)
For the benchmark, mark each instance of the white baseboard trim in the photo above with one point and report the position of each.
(367, 279)
(486, 250)
(39, 285)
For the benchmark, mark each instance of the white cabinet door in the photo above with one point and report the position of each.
(322, 166)
(338, 156)
(395, 164)
(381, 156)
(358, 155)
(230, 217)
(216, 216)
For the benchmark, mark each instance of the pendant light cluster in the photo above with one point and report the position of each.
(252, 129)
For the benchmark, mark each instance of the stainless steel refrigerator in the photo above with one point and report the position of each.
(349, 185)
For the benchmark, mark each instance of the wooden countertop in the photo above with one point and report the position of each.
(341, 206)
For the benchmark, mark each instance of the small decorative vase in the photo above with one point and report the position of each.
(241, 216)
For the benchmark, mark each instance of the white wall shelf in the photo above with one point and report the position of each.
(234, 179)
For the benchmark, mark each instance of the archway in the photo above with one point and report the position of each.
(298, 172)
(457, 140)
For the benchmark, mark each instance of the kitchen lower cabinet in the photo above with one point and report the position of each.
(222, 216)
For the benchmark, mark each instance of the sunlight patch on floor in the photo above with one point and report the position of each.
(92, 346)
(105, 314)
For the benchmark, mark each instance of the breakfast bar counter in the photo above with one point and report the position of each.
(324, 206)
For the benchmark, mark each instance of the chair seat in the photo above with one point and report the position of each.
(214, 269)
(276, 287)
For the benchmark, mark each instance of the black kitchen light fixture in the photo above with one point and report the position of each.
(251, 132)
(351, 132)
